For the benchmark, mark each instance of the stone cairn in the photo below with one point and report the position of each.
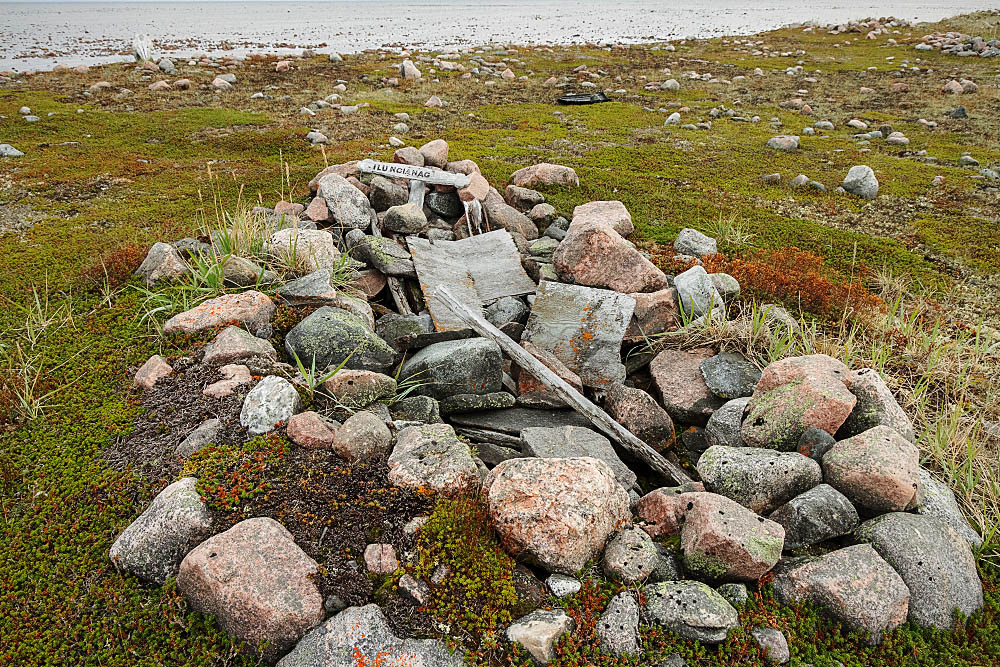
(806, 455)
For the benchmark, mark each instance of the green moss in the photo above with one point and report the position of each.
(705, 565)
(61, 601)
(229, 475)
(478, 591)
(765, 549)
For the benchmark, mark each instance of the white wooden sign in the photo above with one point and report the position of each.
(411, 172)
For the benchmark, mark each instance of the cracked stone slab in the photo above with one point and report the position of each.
(583, 327)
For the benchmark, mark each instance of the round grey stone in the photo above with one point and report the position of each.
(691, 609)
(773, 643)
(861, 181)
(330, 335)
(759, 479)
(272, 401)
(630, 556)
(819, 514)
(723, 427)
(735, 594)
(730, 375)
(618, 627)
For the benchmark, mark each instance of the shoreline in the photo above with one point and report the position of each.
(43, 35)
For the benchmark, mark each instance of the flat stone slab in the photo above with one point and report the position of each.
(583, 327)
(477, 270)
(572, 441)
(515, 420)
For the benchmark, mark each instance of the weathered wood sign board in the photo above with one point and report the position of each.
(411, 172)
(478, 270)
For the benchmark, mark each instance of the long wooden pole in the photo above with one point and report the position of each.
(573, 398)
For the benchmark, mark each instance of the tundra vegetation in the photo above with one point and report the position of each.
(906, 284)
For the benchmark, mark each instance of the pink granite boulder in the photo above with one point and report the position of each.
(545, 174)
(796, 394)
(151, 372)
(311, 430)
(683, 391)
(877, 470)
(724, 541)
(654, 313)
(555, 513)
(613, 213)
(257, 582)
(252, 309)
(854, 585)
(595, 255)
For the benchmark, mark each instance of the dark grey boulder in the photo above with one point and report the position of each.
(815, 442)
(935, 562)
(416, 409)
(190, 248)
(729, 375)
(734, 593)
(445, 204)
(668, 566)
(507, 309)
(723, 427)
(392, 327)
(819, 514)
(691, 609)
(314, 288)
(468, 366)
(330, 335)
(515, 420)
(758, 479)
(385, 194)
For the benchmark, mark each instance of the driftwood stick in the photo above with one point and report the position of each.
(573, 398)
(395, 284)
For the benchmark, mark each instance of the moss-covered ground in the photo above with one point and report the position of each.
(99, 185)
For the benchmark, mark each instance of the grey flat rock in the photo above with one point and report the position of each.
(572, 441)
(583, 327)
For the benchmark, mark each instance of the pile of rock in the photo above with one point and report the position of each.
(959, 44)
(869, 26)
(805, 452)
